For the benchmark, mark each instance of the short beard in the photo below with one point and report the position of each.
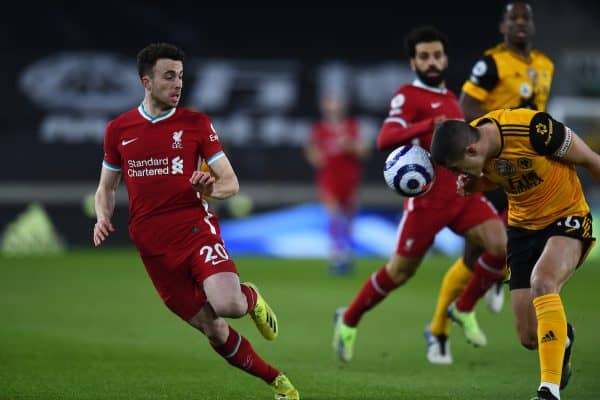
(432, 81)
(162, 105)
(520, 44)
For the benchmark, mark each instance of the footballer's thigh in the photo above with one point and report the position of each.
(172, 279)
(215, 272)
(490, 235)
(562, 247)
(329, 201)
(481, 225)
(558, 262)
(224, 294)
(416, 233)
(472, 251)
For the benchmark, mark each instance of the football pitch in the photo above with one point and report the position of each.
(89, 325)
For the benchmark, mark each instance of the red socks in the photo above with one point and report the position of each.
(239, 353)
(251, 296)
(373, 291)
(488, 270)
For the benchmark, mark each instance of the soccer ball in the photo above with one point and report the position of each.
(409, 171)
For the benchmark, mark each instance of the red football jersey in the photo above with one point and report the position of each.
(413, 109)
(340, 166)
(156, 156)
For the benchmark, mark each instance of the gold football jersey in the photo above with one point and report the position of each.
(539, 186)
(503, 79)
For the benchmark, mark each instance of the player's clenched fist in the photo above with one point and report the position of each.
(101, 231)
(202, 182)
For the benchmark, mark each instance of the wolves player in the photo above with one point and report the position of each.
(158, 148)
(532, 157)
(510, 75)
(415, 110)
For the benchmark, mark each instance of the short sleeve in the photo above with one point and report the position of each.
(211, 145)
(548, 136)
(112, 157)
(403, 107)
(483, 79)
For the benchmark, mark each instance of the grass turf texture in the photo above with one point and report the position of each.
(89, 325)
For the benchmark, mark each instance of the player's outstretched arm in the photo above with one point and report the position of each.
(105, 204)
(580, 153)
(394, 133)
(225, 182)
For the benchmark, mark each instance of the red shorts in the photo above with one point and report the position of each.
(179, 277)
(343, 190)
(419, 224)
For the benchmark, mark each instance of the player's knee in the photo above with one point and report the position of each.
(230, 306)
(497, 248)
(495, 244)
(541, 285)
(400, 272)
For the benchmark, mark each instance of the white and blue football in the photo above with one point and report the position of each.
(409, 171)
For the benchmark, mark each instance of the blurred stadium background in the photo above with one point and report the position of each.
(258, 73)
(68, 69)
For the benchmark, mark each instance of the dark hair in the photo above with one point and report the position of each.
(424, 34)
(450, 139)
(512, 3)
(147, 57)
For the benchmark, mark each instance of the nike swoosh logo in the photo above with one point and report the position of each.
(218, 262)
(435, 105)
(126, 142)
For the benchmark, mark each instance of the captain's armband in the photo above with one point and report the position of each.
(548, 136)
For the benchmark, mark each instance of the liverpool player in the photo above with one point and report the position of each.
(335, 150)
(158, 149)
(415, 110)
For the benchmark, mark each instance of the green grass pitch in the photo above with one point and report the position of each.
(89, 325)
